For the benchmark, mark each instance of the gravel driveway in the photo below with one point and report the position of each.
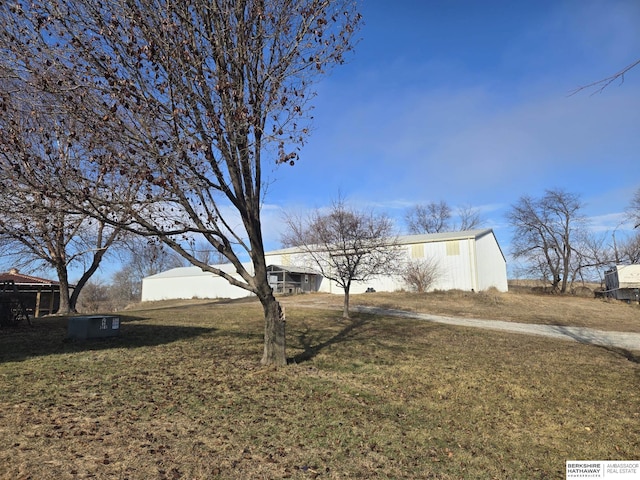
(627, 341)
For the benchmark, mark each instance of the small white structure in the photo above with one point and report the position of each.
(470, 260)
(623, 282)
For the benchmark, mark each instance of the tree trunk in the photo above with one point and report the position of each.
(567, 262)
(345, 310)
(274, 333)
(64, 306)
(97, 258)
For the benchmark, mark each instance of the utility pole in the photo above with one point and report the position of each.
(615, 248)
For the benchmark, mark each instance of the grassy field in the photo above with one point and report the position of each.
(181, 395)
(570, 310)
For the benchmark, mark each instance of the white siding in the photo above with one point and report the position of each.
(628, 276)
(491, 265)
(456, 265)
(466, 261)
(190, 282)
(453, 258)
(382, 283)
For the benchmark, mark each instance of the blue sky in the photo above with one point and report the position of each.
(468, 102)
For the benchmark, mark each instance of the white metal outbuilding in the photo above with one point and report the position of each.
(467, 260)
(470, 260)
(191, 282)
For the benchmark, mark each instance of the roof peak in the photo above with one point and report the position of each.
(21, 278)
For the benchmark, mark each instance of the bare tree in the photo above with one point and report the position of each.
(545, 230)
(629, 250)
(124, 288)
(436, 217)
(592, 255)
(634, 209)
(429, 218)
(96, 297)
(38, 238)
(208, 255)
(421, 274)
(141, 258)
(469, 218)
(204, 94)
(40, 151)
(347, 245)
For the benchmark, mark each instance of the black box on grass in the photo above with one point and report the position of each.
(95, 326)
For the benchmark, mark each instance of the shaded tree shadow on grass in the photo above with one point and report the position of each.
(312, 344)
(593, 340)
(632, 357)
(48, 336)
(173, 304)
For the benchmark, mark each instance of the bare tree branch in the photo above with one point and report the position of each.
(600, 85)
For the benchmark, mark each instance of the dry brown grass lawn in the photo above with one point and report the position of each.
(601, 314)
(180, 395)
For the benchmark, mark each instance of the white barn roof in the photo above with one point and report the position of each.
(420, 238)
(443, 236)
(192, 271)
